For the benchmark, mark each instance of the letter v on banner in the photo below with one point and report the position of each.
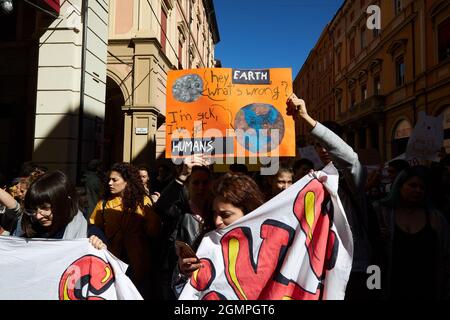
(244, 275)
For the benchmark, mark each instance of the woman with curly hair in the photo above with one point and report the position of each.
(127, 218)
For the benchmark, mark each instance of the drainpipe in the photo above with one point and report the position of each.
(82, 90)
(189, 33)
(426, 56)
(414, 67)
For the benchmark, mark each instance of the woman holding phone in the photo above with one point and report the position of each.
(235, 195)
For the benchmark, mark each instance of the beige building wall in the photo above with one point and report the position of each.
(58, 91)
(139, 59)
(59, 85)
(95, 80)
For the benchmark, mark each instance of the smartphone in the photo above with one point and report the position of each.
(184, 250)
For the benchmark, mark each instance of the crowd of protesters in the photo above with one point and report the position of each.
(399, 214)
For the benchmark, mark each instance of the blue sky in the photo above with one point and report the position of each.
(270, 33)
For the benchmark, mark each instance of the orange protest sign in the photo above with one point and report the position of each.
(220, 111)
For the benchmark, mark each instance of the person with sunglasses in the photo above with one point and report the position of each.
(51, 211)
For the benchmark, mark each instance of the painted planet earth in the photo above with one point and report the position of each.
(259, 124)
(187, 88)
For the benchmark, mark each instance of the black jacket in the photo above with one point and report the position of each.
(178, 223)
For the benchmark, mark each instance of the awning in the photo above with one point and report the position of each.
(54, 4)
(49, 6)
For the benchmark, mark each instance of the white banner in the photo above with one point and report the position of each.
(44, 269)
(296, 246)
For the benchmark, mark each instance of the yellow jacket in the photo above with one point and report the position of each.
(112, 219)
(128, 233)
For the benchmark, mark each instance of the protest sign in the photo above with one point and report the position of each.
(426, 139)
(229, 112)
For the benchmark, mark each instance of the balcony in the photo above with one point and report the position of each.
(373, 104)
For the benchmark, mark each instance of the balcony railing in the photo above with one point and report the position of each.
(372, 104)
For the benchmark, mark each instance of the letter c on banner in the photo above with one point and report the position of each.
(90, 271)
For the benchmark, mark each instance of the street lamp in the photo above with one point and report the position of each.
(6, 6)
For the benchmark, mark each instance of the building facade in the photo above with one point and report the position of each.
(147, 39)
(314, 83)
(384, 77)
(53, 77)
(86, 79)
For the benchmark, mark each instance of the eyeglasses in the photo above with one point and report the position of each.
(45, 211)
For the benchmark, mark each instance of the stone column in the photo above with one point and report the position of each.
(127, 134)
(59, 88)
(149, 74)
(143, 136)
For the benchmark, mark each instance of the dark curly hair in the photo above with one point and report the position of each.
(240, 190)
(134, 193)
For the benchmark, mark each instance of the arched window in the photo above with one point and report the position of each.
(400, 139)
(444, 40)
